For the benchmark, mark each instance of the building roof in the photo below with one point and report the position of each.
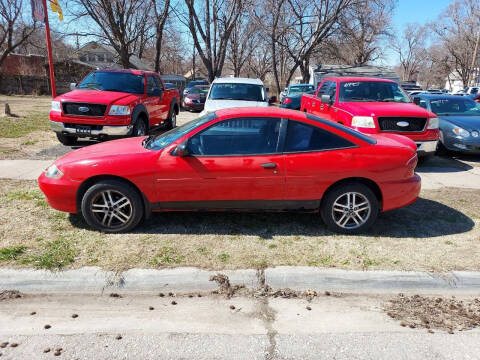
(238, 80)
(135, 61)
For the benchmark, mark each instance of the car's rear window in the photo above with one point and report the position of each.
(345, 129)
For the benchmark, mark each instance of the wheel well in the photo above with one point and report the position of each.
(176, 108)
(371, 184)
(95, 179)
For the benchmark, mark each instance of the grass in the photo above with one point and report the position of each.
(14, 127)
(440, 232)
(11, 253)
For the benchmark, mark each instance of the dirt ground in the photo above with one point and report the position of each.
(439, 232)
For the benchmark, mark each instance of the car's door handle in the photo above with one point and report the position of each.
(269, 165)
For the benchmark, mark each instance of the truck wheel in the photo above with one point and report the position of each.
(112, 206)
(140, 128)
(172, 119)
(67, 140)
(350, 208)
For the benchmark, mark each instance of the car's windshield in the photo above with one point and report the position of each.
(299, 89)
(199, 90)
(196, 82)
(372, 91)
(158, 142)
(236, 91)
(113, 81)
(455, 106)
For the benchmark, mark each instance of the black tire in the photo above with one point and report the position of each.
(107, 220)
(172, 119)
(336, 196)
(140, 127)
(67, 140)
(441, 150)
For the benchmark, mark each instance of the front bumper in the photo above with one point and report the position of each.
(61, 193)
(108, 130)
(426, 147)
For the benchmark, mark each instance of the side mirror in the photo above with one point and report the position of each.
(416, 100)
(326, 99)
(181, 150)
(73, 86)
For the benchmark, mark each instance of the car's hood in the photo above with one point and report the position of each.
(465, 122)
(385, 109)
(109, 149)
(95, 96)
(213, 105)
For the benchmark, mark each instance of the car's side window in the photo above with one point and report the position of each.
(158, 83)
(332, 90)
(238, 136)
(324, 88)
(150, 85)
(305, 137)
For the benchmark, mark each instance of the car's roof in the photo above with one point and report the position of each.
(238, 80)
(439, 96)
(260, 111)
(128, 71)
(347, 78)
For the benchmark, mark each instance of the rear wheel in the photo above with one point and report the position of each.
(172, 119)
(112, 206)
(67, 140)
(350, 208)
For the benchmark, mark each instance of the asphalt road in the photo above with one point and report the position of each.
(336, 327)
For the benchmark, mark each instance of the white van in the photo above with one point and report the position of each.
(235, 92)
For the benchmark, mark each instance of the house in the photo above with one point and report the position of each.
(197, 75)
(105, 57)
(454, 82)
(319, 72)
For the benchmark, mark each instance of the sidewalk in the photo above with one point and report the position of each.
(22, 169)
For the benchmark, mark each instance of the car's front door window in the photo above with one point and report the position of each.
(239, 136)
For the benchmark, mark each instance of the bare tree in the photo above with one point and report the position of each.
(242, 44)
(14, 30)
(362, 29)
(161, 10)
(119, 23)
(211, 25)
(411, 51)
(457, 29)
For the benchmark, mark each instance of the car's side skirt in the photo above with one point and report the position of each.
(238, 205)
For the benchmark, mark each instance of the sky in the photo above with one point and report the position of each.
(414, 11)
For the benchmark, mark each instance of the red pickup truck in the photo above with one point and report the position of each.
(373, 106)
(114, 103)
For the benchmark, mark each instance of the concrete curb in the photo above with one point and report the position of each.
(186, 279)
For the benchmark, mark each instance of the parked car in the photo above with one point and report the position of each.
(235, 92)
(459, 121)
(238, 159)
(114, 103)
(193, 83)
(477, 98)
(469, 90)
(373, 106)
(195, 99)
(293, 101)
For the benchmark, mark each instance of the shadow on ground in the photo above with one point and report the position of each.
(425, 218)
(442, 164)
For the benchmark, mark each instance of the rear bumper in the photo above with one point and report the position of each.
(400, 193)
(109, 130)
(426, 147)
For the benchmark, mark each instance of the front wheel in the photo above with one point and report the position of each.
(67, 140)
(172, 119)
(350, 208)
(112, 206)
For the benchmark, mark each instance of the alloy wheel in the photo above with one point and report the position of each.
(351, 210)
(111, 208)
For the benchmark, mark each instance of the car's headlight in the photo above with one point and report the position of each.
(363, 121)
(56, 106)
(432, 124)
(119, 110)
(53, 172)
(460, 132)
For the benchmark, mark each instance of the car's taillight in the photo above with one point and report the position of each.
(287, 101)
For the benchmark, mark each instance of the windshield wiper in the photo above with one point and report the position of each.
(148, 140)
(359, 98)
(117, 90)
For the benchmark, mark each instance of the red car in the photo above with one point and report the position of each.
(374, 106)
(114, 103)
(196, 97)
(238, 159)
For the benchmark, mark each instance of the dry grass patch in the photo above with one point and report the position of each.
(439, 232)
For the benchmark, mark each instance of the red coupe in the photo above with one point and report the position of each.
(238, 159)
